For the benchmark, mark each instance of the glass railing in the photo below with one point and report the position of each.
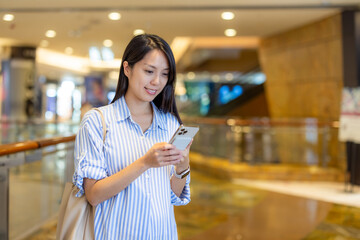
(15, 131)
(31, 184)
(301, 142)
(35, 178)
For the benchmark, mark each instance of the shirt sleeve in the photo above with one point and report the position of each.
(184, 197)
(88, 151)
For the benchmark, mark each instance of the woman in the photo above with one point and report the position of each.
(135, 177)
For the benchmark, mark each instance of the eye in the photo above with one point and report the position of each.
(149, 71)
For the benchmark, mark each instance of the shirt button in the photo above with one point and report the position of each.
(147, 175)
(142, 137)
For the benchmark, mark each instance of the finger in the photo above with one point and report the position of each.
(166, 147)
(189, 145)
(172, 152)
(171, 158)
(185, 153)
(168, 151)
(170, 162)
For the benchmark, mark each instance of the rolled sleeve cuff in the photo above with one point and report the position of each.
(91, 172)
(184, 197)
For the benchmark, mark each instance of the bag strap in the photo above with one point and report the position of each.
(102, 122)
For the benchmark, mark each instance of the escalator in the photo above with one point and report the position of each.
(243, 96)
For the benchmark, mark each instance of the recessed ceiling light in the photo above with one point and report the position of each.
(107, 43)
(229, 76)
(191, 75)
(44, 43)
(114, 16)
(8, 17)
(69, 50)
(215, 78)
(138, 32)
(50, 33)
(230, 32)
(227, 15)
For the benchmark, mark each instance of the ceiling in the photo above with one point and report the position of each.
(80, 24)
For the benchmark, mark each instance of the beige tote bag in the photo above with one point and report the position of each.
(76, 215)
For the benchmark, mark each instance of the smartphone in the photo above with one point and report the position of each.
(183, 136)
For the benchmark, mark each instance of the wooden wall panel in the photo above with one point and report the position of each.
(304, 70)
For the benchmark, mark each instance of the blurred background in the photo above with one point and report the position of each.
(271, 52)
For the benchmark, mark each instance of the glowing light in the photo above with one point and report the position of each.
(215, 78)
(8, 17)
(179, 46)
(180, 91)
(50, 33)
(230, 32)
(138, 32)
(229, 76)
(114, 16)
(51, 92)
(68, 84)
(64, 61)
(64, 99)
(107, 43)
(107, 54)
(190, 75)
(227, 15)
(69, 50)
(74, 64)
(94, 54)
(49, 115)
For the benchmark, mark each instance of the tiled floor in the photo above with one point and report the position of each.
(251, 210)
(333, 192)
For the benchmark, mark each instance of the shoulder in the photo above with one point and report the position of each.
(93, 117)
(170, 121)
(171, 118)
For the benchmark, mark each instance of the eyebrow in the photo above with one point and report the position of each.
(149, 65)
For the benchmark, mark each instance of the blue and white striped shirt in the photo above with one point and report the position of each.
(144, 209)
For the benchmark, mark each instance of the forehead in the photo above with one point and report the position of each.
(156, 58)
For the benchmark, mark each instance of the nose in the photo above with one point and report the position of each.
(156, 80)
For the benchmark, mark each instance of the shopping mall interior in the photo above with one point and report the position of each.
(273, 85)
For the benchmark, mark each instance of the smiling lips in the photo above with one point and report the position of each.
(150, 91)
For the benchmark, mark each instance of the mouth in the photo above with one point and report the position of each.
(150, 91)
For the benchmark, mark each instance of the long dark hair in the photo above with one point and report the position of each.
(135, 51)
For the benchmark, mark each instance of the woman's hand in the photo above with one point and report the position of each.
(184, 161)
(162, 154)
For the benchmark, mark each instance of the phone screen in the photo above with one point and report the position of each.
(183, 136)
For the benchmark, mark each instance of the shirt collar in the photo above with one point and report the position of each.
(158, 118)
(121, 109)
(122, 112)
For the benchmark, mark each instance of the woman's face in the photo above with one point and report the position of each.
(148, 77)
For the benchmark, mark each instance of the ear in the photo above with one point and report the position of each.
(127, 68)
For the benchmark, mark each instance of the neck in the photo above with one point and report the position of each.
(138, 108)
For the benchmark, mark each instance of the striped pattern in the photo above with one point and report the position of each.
(144, 210)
